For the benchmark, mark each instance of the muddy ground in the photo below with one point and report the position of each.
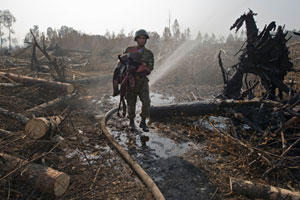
(189, 161)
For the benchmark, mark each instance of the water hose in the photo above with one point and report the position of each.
(133, 164)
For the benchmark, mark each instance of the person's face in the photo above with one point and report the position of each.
(141, 40)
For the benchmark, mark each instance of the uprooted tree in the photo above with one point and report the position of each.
(265, 55)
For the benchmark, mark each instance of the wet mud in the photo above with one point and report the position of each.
(164, 156)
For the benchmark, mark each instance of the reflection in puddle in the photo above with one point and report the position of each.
(159, 146)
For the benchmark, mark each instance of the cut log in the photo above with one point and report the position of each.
(201, 107)
(5, 133)
(10, 84)
(19, 117)
(66, 87)
(255, 190)
(56, 102)
(37, 128)
(43, 178)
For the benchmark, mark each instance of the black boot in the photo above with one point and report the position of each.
(132, 125)
(143, 125)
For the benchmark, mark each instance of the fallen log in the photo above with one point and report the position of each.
(37, 128)
(10, 84)
(66, 87)
(56, 102)
(43, 178)
(256, 190)
(5, 133)
(202, 107)
(19, 117)
(106, 78)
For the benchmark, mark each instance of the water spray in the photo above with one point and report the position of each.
(170, 63)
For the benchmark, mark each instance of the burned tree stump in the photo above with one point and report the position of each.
(37, 128)
(44, 178)
(266, 55)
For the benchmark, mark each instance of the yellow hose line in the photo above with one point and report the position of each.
(133, 164)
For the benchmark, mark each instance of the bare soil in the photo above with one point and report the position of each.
(97, 171)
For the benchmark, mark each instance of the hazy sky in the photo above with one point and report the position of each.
(98, 16)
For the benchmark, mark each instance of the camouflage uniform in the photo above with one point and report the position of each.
(141, 88)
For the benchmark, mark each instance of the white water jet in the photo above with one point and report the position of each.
(170, 63)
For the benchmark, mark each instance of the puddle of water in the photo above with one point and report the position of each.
(219, 122)
(159, 146)
(163, 158)
(86, 156)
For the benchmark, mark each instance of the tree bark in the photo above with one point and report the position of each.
(200, 108)
(51, 104)
(37, 128)
(19, 117)
(66, 87)
(10, 84)
(44, 178)
(255, 190)
(5, 133)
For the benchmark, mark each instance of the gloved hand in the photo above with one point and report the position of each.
(143, 70)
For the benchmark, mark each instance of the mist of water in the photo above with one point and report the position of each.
(171, 61)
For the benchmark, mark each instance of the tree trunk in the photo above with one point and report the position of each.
(5, 133)
(232, 89)
(44, 178)
(10, 84)
(13, 115)
(51, 104)
(200, 108)
(37, 128)
(255, 190)
(66, 87)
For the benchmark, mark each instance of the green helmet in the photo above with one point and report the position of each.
(141, 32)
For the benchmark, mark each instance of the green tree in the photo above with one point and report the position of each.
(121, 34)
(176, 30)
(50, 33)
(107, 35)
(230, 39)
(8, 20)
(199, 37)
(187, 33)
(167, 35)
(35, 30)
(1, 26)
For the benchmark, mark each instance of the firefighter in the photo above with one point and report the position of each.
(141, 86)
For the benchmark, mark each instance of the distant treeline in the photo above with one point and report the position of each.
(201, 62)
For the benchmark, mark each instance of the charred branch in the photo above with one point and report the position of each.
(265, 55)
(54, 66)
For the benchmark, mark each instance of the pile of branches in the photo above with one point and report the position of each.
(273, 140)
(264, 134)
